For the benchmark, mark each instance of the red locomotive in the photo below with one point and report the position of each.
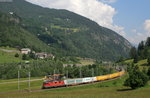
(53, 81)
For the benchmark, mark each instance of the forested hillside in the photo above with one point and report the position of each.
(13, 35)
(142, 52)
(62, 32)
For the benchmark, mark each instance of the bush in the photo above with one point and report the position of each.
(136, 78)
(16, 55)
(24, 57)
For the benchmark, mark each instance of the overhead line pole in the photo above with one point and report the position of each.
(80, 73)
(18, 80)
(29, 80)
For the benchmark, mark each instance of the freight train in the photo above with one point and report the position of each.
(78, 81)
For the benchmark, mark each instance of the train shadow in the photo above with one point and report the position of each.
(123, 90)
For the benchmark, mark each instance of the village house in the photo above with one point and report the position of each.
(43, 55)
(25, 50)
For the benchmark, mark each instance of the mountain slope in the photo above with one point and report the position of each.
(13, 35)
(67, 33)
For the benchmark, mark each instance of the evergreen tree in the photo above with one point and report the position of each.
(148, 73)
(148, 42)
(141, 46)
(133, 52)
(135, 58)
(148, 60)
(145, 53)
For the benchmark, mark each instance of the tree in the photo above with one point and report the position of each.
(24, 57)
(120, 59)
(144, 70)
(133, 52)
(141, 46)
(135, 58)
(148, 60)
(136, 78)
(148, 42)
(16, 55)
(145, 53)
(148, 73)
(32, 55)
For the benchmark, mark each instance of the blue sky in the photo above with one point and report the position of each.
(131, 14)
(129, 18)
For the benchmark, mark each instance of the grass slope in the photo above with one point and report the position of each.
(7, 86)
(8, 57)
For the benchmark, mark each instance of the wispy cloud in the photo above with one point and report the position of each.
(147, 25)
(139, 36)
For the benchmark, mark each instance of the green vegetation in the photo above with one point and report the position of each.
(23, 85)
(8, 57)
(105, 92)
(60, 32)
(16, 36)
(86, 62)
(148, 60)
(112, 88)
(49, 66)
(16, 55)
(136, 78)
(148, 73)
(138, 70)
(142, 52)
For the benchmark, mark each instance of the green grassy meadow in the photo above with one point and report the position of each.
(8, 57)
(7, 86)
(87, 62)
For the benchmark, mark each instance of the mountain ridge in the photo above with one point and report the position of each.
(67, 33)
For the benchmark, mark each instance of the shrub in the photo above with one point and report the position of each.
(136, 78)
(16, 55)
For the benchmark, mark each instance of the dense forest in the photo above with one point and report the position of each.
(40, 68)
(60, 32)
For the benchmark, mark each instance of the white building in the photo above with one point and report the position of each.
(25, 50)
